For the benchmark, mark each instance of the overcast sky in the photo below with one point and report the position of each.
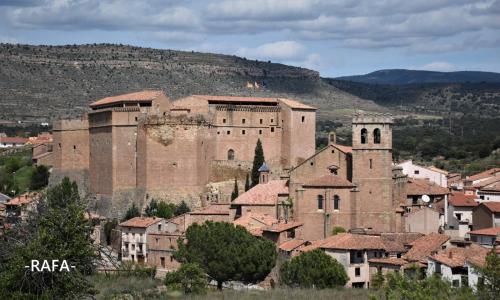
(335, 37)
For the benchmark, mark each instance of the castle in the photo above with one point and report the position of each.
(142, 145)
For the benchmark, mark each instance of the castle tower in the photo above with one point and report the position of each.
(372, 171)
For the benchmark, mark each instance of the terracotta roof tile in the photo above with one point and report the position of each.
(493, 231)
(397, 242)
(131, 97)
(254, 223)
(484, 174)
(456, 257)
(25, 198)
(424, 187)
(491, 206)
(345, 149)
(263, 193)
(491, 186)
(282, 226)
(426, 246)
(13, 140)
(461, 199)
(296, 104)
(348, 241)
(329, 181)
(292, 244)
(140, 222)
(235, 98)
(310, 246)
(487, 182)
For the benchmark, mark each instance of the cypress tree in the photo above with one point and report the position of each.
(258, 160)
(247, 183)
(235, 192)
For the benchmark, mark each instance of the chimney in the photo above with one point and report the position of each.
(332, 138)
(263, 173)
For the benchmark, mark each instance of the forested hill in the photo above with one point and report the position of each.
(43, 83)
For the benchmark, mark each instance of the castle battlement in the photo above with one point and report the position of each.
(372, 118)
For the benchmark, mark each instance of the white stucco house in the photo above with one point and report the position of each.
(432, 173)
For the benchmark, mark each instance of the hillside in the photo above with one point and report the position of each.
(43, 83)
(402, 76)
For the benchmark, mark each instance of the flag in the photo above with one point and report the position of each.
(256, 85)
(250, 85)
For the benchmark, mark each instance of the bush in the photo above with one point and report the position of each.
(337, 229)
(314, 269)
(190, 278)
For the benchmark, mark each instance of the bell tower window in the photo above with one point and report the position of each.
(230, 154)
(376, 136)
(336, 202)
(320, 201)
(364, 136)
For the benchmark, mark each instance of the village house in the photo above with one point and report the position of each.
(489, 190)
(12, 142)
(42, 149)
(161, 245)
(455, 181)
(422, 192)
(423, 220)
(487, 237)
(459, 214)
(134, 233)
(18, 208)
(452, 264)
(426, 246)
(486, 215)
(431, 173)
(485, 175)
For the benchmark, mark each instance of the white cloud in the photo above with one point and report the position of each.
(282, 50)
(440, 66)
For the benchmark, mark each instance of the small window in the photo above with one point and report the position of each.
(229, 132)
(303, 119)
(371, 164)
(364, 135)
(218, 132)
(243, 132)
(336, 202)
(230, 154)
(74, 147)
(357, 272)
(312, 163)
(243, 121)
(223, 120)
(272, 120)
(320, 201)
(261, 121)
(376, 136)
(260, 131)
(159, 227)
(272, 129)
(416, 172)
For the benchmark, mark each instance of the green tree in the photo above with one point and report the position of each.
(489, 286)
(40, 178)
(227, 252)
(338, 229)
(152, 209)
(182, 208)
(247, 182)
(108, 228)
(132, 212)
(190, 278)
(235, 192)
(314, 269)
(56, 230)
(258, 160)
(166, 210)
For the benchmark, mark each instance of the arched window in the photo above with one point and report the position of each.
(336, 202)
(376, 136)
(230, 154)
(364, 136)
(320, 201)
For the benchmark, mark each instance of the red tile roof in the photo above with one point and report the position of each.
(282, 226)
(23, 199)
(486, 182)
(348, 241)
(424, 187)
(493, 231)
(396, 241)
(254, 223)
(288, 102)
(426, 246)
(345, 149)
(494, 207)
(13, 140)
(329, 181)
(132, 97)
(295, 104)
(461, 199)
(310, 246)
(491, 186)
(292, 244)
(484, 174)
(456, 257)
(140, 222)
(263, 193)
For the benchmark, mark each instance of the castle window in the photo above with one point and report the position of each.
(243, 132)
(303, 119)
(336, 202)
(260, 131)
(243, 121)
(376, 136)
(371, 164)
(272, 129)
(223, 120)
(74, 147)
(261, 121)
(230, 154)
(364, 136)
(416, 172)
(136, 119)
(229, 132)
(272, 120)
(218, 132)
(320, 201)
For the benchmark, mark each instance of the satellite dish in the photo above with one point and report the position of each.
(426, 199)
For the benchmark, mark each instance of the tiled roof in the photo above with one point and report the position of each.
(41, 138)
(436, 169)
(424, 187)
(329, 181)
(263, 193)
(487, 182)
(263, 168)
(295, 104)
(132, 97)
(345, 149)
(492, 187)
(23, 199)
(310, 246)
(4, 198)
(348, 241)
(426, 246)
(483, 175)
(13, 140)
(396, 241)
(235, 98)
(491, 206)
(493, 231)
(254, 222)
(461, 199)
(456, 257)
(140, 222)
(282, 226)
(389, 261)
(291, 244)
(213, 209)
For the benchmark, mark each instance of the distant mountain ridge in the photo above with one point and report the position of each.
(404, 76)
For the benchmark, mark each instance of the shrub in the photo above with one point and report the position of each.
(190, 278)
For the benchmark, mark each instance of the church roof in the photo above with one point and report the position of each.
(264, 168)
(329, 181)
(263, 193)
(131, 98)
